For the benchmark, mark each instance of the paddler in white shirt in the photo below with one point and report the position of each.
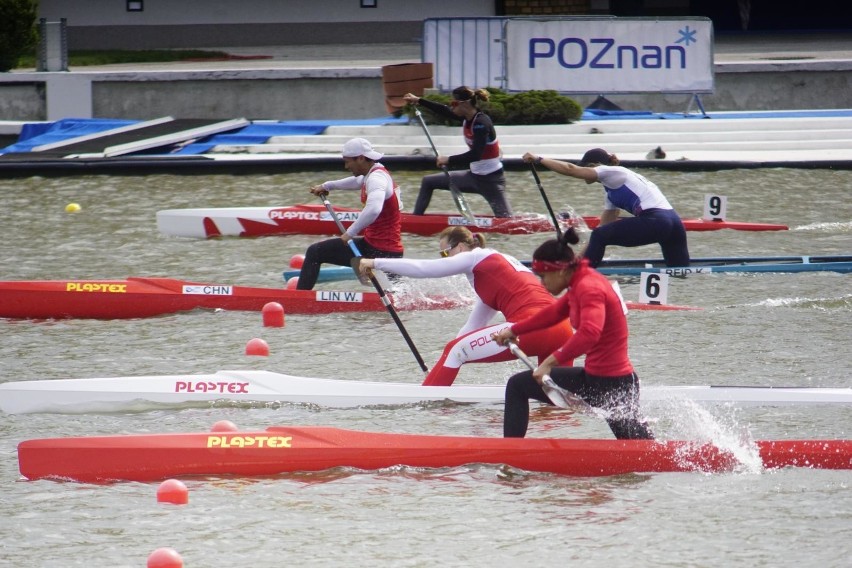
(502, 284)
(380, 220)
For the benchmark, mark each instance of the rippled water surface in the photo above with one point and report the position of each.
(769, 329)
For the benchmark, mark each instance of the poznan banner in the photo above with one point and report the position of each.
(597, 56)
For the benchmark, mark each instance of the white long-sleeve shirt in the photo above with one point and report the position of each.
(379, 189)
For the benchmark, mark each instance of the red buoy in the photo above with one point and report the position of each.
(297, 260)
(173, 491)
(273, 315)
(165, 558)
(224, 426)
(257, 347)
(293, 283)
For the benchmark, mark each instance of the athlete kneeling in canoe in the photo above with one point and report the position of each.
(502, 284)
(597, 315)
(380, 220)
(654, 219)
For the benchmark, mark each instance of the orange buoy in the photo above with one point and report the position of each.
(257, 347)
(273, 315)
(165, 558)
(173, 491)
(297, 260)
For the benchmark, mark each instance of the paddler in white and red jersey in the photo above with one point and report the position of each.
(480, 169)
(502, 285)
(380, 220)
(597, 313)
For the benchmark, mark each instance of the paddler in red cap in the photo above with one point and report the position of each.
(380, 220)
(598, 315)
(654, 219)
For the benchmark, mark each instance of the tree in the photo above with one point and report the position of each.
(18, 35)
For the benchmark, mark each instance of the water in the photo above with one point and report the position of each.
(770, 329)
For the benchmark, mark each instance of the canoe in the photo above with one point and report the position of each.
(146, 297)
(309, 219)
(635, 267)
(117, 394)
(756, 264)
(286, 449)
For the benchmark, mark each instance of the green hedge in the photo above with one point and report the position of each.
(529, 107)
(18, 34)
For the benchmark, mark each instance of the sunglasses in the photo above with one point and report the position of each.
(446, 252)
(454, 103)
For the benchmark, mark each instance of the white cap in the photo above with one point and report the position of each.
(360, 147)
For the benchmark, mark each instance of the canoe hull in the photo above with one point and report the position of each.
(148, 297)
(309, 219)
(635, 267)
(265, 387)
(295, 449)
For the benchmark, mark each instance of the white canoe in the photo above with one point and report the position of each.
(264, 387)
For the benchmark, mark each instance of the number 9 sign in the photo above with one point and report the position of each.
(715, 207)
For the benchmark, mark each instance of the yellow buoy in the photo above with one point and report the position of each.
(72, 207)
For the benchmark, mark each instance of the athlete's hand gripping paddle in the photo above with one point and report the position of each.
(557, 395)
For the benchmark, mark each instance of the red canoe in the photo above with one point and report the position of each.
(146, 297)
(310, 219)
(151, 457)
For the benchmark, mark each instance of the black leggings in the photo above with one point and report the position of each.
(618, 396)
(335, 251)
(490, 186)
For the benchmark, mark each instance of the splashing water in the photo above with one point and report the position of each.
(693, 422)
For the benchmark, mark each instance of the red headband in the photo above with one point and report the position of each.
(541, 266)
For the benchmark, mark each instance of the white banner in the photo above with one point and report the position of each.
(598, 56)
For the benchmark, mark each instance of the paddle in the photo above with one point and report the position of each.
(557, 395)
(461, 204)
(376, 285)
(546, 201)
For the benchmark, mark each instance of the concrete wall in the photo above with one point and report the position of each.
(106, 24)
(357, 93)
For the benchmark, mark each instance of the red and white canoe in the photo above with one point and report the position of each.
(308, 219)
(146, 297)
(276, 450)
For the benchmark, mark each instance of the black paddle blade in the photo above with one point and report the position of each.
(356, 267)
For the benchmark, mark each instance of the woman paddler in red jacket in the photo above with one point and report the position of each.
(502, 285)
(597, 314)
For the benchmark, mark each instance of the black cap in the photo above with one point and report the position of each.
(596, 156)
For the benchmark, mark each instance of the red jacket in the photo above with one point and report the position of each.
(597, 316)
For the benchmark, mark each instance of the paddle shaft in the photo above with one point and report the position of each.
(458, 198)
(378, 288)
(546, 201)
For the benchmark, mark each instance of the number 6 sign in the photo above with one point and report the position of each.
(653, 288)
